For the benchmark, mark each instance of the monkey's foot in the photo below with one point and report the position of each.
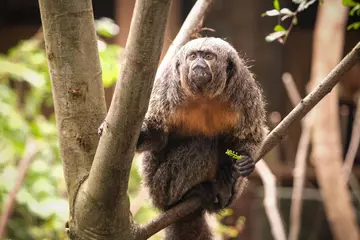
(243, 167)
(206, 191)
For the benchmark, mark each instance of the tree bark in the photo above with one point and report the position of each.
(73, 60)
(98, 201)
(327, 151)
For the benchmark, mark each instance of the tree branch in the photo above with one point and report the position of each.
(300, 160)
(278, 133)
(29, 154)
(270, 200)
(106, 186)
(193, 20)
(71, 49)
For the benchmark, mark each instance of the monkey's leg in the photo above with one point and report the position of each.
(191, 227)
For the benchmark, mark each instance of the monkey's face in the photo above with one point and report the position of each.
(200, 73)
(204, 67)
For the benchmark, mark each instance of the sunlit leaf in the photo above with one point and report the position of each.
(106, 27)
(279, 28)
(21, 72)
(276, 4)
(349, 3)
(275, 35)
(271, 13)
(286, 11)
(355, 10)
(355, 26)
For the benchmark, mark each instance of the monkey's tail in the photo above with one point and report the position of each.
(191, 227)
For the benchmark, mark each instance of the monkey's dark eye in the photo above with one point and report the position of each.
(192, 57)
(209, 56)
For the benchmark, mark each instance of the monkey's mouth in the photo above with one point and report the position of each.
(200, 77)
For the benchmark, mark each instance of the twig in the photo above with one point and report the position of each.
(354, 143)
(300, 160)
(278, 133)
(270, 200)
(29, 154)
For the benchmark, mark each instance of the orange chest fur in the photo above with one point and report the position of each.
(203, 116)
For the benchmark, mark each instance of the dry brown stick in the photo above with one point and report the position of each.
(29, 154)
(354, 143)
(270, 200)
(276, 134)
(300, 160)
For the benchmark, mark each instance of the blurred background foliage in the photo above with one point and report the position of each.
(26, 116)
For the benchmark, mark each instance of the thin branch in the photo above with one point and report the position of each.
(291, 89)
(277, 134)
(354, 143)
(270, 200)
(29, 154)
(170, 216)
(190, 25)
(300, 160)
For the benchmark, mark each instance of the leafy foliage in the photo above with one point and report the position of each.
(26, 114)
(281, 33)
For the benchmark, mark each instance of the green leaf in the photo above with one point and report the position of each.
(21, 72)
(106, 27)
(355, 26)
(276, 4)
(275, 35)
(279, 28)
(355, 10)
(271, 13)
(286, 11)
(349, 3)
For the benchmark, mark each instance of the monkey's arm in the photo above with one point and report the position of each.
(153, 136)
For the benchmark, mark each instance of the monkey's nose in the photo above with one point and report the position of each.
(200, 64)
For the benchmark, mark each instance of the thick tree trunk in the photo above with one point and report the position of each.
(327, 151)
(97, 183)
(77, 88)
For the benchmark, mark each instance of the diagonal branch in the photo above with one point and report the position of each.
(277, 134)
(29, 154)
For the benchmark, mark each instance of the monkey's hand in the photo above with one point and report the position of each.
(243, 167)
(227, 177)
(151, 139)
